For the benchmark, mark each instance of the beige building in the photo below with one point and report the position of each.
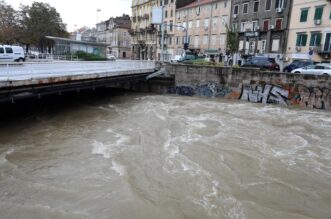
(143, 33)
(310, 31)
(206, 22)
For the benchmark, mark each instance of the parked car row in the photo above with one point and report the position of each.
(297, 66)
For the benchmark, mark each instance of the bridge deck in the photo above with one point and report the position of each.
(28, 80)
(14, 75)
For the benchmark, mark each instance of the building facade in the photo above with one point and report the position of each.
(206, 22)
(115, 33)
(169, 31)
(262, 27)
(143, 33)
(310, 31)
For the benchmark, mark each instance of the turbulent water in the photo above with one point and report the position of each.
(148, 156)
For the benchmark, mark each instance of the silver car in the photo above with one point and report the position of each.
(319, 69)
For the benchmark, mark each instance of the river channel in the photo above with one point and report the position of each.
(147, 156)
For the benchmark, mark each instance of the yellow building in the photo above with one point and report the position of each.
(143, 33)
(310, 31)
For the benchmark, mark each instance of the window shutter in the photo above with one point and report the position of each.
(304, 39)
(318, 39)
(312, 39)
(298, 40)
(304, 15)
(318, 13)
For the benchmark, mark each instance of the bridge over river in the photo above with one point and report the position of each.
(34, 79)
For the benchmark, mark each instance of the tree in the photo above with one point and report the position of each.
(232, 42)
(40, 20)
(8, 24)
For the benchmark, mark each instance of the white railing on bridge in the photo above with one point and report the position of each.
(29, 70)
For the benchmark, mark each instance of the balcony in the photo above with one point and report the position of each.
(324, 49)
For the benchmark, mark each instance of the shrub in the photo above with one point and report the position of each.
(89, 56)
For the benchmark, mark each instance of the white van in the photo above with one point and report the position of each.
(11, 53)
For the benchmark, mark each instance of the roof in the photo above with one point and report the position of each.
(197, 3)
(76, 41)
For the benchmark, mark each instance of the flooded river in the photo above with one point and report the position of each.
(149, 156)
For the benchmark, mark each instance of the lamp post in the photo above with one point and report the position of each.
(162, 32)
(98, 10)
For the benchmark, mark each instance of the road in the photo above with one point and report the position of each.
(26, 71)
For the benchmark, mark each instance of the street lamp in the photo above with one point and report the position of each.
(98, 10)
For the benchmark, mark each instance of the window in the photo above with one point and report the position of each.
(171, 13)
(196, 41)
(166, 14)
(170, 40)
(177, 40)
(215, 21)
(265, 25)
(2, 51)
(8, 50)
(224, 20)
(304, 15)
(255, 24)
(198, 23)
(280, 4)
(236, 9)
(256, 6)
(234, 27)
(301, 39)
(205, 39)
(243, 27)
(206, 23)
(198, 10)
(213, 40)
(278, 25)
(179, 26)
(171, 26)
(245, 8)
(315, 39)
(222, 40)
(268, 5)
(318, 13)
(190, 24)
(275, 45)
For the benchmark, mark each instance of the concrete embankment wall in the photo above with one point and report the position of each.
(307, 91)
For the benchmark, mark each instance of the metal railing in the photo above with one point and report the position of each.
(37, 70)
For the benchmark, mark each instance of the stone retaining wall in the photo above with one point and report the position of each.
(307, 91)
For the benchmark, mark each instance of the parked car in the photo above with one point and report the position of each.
(298, 64)
(184, 58)
(319, 69)
(11, 53)
(111, 57)
(263, 63)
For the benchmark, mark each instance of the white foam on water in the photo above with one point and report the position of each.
(118, 168)
(100, 148)
(3, 156)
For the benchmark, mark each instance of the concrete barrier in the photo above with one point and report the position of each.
(247, 84)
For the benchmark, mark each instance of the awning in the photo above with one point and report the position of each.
(212, 51)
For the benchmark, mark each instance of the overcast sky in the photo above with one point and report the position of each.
(82, 12)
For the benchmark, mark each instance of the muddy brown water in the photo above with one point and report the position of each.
(151, 156)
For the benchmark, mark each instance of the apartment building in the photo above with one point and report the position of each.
(115, 32)
(169, 19)
(310, 30)
(262, 27)
(143, 33)
(206, 23)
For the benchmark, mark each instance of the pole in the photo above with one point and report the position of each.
(162, 32)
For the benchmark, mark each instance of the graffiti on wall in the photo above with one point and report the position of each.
(264, 94)
(207, 90)
(314, 97)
